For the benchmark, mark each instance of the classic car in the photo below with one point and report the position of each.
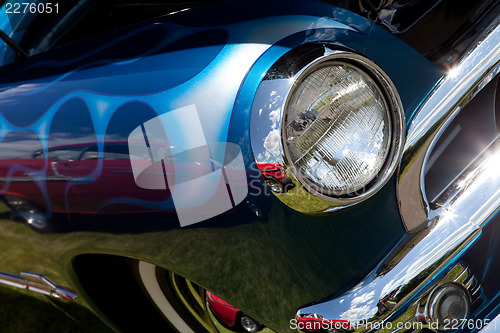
(253, 166)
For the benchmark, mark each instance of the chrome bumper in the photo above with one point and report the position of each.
(400, 288)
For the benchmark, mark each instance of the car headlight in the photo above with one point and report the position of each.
(334, 121)
(337, 128)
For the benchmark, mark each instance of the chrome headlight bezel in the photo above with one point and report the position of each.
(395, 129)
(266, 101)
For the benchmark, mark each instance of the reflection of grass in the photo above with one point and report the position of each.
(268, 266)
(25, 313)
(214, 256)
(302, 201)
(392, 326)
(454, 274)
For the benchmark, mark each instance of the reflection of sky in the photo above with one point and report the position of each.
(272, 146)
(361, 307)
(360, 311)
(23, 146)
(267, 144)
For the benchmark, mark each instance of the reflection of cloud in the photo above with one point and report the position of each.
(62, 139)
(272, 145)
(272, 140)
(22, 145)
(10, 95)
(363, 299)
(359, 313)
(21, 149)
(361, 308)
(392, 285)
(274, 116)
(21, 89)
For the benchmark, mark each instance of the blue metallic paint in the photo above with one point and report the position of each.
(105, 85)
(217, 67)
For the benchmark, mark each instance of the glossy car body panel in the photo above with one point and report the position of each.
(97, 91)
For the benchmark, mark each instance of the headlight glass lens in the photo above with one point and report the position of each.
(337, 129)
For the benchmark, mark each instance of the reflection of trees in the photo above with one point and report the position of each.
(414, 283)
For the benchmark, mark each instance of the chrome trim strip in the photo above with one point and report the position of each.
(48, 287)
(12, 280)
(454, 91)
(147, 273)
(467, 205)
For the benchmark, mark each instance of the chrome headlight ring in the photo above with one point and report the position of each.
(335, 124)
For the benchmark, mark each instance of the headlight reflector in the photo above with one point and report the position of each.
(337, 129)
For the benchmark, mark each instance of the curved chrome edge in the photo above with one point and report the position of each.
(270, 103)
(492, 325)
(405, 276)
(147, 273)
(455, 91)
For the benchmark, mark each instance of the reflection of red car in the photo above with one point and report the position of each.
(79, 181)
(75, 182)
(275, 177)
(229, 315)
